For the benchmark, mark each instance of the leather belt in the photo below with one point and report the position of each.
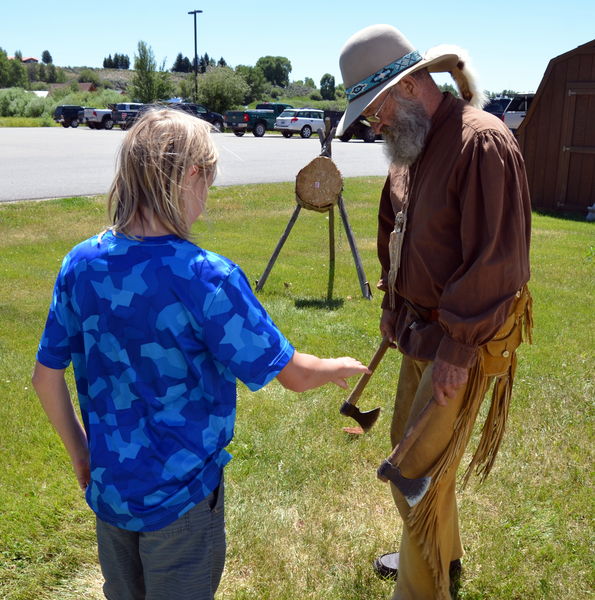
(424, 314)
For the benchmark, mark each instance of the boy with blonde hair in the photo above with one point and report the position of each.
(158, 331)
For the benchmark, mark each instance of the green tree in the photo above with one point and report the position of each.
(32, 72)
(276, 69)
(256, 81)
(17, 74)
(148, 83)
(220, 88)
(52, 73)
(309, 82)
(182, 64)
(204, 63)
(108, 62)
(60, 74)
(88, 76)
(121, 61)
(4, 68)
(448, 87)
(46, 57)
(185, 88)
(178, 64)
(327, 87)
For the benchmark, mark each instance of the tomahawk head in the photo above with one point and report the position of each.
(412, 489)
(365, 419)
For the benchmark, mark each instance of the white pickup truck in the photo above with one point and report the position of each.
(98, 118)
(516, 111)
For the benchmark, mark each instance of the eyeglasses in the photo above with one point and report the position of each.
(375, 118)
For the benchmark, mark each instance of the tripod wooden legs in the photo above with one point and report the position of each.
(260, 283)
(364, 285)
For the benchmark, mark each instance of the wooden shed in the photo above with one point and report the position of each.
(557, 137)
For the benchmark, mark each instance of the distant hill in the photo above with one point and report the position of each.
(117, 79)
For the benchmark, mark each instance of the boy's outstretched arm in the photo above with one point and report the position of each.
(53, 393)
(304, 371)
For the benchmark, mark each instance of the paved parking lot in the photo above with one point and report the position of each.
(56, 162)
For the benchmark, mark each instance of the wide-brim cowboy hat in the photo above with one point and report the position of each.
(379, 56)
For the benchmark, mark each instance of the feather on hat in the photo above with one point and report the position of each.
(379, 56)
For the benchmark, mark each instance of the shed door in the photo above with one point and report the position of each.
(575, 187)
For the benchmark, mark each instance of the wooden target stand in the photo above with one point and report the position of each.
(318, 187)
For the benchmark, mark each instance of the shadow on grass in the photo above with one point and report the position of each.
(579, 216)
(326, 304)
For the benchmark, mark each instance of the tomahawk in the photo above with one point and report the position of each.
(365, 419)
(413, 489)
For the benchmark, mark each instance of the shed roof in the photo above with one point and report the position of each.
(588, 48)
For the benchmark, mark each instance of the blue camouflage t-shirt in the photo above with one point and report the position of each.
(158, 331)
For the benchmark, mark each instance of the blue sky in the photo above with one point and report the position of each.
(510, 42)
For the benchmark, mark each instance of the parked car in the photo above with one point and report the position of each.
(497, 106)
(125, 113)
(257, 120)
(69, 115)
(517, 110)
(98, 118)
(360, 129)
(200, 111)
(300, 120)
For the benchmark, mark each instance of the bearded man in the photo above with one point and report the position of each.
(453, 244)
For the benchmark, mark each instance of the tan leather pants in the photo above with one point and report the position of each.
(417, 575)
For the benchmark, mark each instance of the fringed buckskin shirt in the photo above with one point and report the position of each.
(465, 251)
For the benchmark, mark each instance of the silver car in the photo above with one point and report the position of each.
(304, 121)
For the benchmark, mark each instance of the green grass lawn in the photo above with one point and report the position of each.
(28, 122)
(305, 513)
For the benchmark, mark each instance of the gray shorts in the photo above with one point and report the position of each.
(182, 561)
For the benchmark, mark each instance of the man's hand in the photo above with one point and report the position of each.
(446, 380)
(388, 321)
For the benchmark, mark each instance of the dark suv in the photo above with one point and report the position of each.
(517, 110)
(497, 106)
(125, 114)
(200, 111)
(360, 129)
(69, 115)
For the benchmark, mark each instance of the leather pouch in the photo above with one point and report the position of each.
(498, 352)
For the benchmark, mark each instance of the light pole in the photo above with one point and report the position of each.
(195, 12)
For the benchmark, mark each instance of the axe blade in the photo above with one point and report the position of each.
(365, 419)
(412, 489)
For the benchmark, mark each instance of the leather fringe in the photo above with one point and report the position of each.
(422, 519)
(495, 424)
(493, 428)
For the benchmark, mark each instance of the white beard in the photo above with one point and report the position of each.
(405, 138)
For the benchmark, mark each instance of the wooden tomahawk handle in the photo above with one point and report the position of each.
(412, 433)
(361, 384)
